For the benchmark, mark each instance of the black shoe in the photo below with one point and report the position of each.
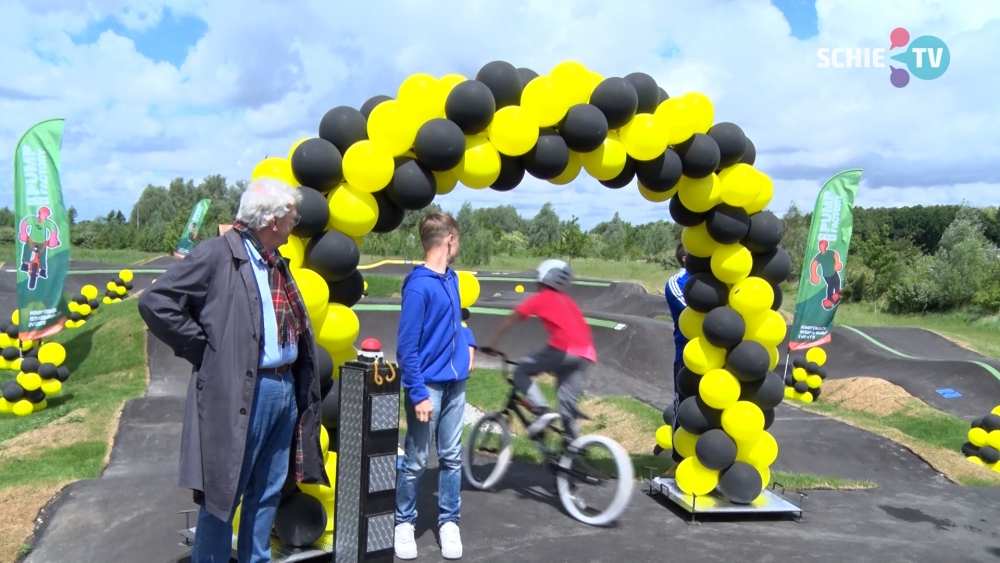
(42, 274)
(24, 266)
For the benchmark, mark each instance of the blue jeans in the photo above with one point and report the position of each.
(265, 468)
(447, 421)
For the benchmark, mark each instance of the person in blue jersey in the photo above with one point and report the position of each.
(675, 300)
(433, 352)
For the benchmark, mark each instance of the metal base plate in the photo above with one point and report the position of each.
(280, 553)
(714, 503)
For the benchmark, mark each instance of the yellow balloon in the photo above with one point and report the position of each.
(731, 263)
(719, 389)
(294, 251)
(608, 160)
(740, 186)
(480, 165)
(684, 442)
(447, 83)
(51, 387)
(761, 453)
(814, 381)
(656, 197)
(690, 323)
(340, 329)
(468, 288)
(765, 476)
(546, 99)
(368, 166)
(393, 125)
(700, 195)
(315, 293)
(84, 310)
(697, 241)
(767, 328)
(701, 357)
(817, 355)
(975, 459)
(519, 288)
(15, 317)
(575, 80)
(125, 275)
(89, 291)
(276, 168)
(764, 196)
(513, 131)
(36, 407)
(743, 421)
(677, 118)
(16, 364)
(695, 479)
(324, 439)
(996, 410)
(773, 352)
(73, 307)
(4, 406)
(22, 408)
(978, 437)
(30, 381)
(644, 137)
(701, 109)
(789, 392)
(664, 437)
(341, 357)
(52, 353)
(422, 94)
(751, 296)
(799, 374)
(446, 181)
(352, 211)
(572, 170)
(806, 397)
(291, 151)
(120, 290)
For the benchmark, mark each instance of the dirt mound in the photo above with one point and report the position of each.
(868, 394)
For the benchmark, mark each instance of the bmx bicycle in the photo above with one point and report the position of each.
(34, 269)
(571, 481)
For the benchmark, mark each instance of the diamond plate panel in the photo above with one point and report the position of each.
(349, 460)
(381, 532)
(385, 412)
(381, 473)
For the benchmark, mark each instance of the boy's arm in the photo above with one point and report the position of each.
(411, 318)
(471, 339)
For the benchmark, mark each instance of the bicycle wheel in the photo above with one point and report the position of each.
(571, 487)
(493, 430)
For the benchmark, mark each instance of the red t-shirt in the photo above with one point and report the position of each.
(568, 330)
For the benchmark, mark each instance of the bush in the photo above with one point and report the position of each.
(860, 283)
(914, 290)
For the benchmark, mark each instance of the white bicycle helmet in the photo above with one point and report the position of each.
(556, 274)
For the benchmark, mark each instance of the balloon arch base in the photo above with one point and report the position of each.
(769, 503)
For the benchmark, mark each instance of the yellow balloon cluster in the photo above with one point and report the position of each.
(807, 376)
(83, 306)
(119, 287)
(983, 446)
(41, 375)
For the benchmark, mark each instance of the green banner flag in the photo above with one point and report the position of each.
(189, 238)
(823, 267)
(42, 231)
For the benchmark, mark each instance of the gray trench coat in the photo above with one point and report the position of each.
(207, 309)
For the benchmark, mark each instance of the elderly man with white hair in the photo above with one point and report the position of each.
(232, 309)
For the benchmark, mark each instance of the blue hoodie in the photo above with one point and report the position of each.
(431, 346)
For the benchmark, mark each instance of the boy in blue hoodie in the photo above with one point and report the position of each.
(433, 352)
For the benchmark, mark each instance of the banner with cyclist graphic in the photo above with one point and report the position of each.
(189, 238)
(42, 231)
(825, 261)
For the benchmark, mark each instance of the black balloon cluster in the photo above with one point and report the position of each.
(118, 287)
(41, 374)
(983, 447)
(82, 306)
(805, 381)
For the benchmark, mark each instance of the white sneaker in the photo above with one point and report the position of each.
(451, 541)
(406, 546)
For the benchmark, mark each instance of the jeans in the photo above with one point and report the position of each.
(678, 399)
(265, 468)
(569, 371)
(447, 422)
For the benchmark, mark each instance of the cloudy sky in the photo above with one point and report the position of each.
(156, 89)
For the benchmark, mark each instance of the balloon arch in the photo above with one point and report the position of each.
(367, 167)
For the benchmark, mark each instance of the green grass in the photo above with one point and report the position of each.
(106, 358)
(114, 257)
(808, 481)
(383, 286)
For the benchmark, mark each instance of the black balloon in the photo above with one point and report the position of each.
(47, 371)
(324, 364)
(976, 423)
(549, 157)
(748, 361)
(811, 367)
(773, 266)
(331, 408)
(723, 327)
(801, 386)
(715, 449)
(731, 141)
(668, 415)
(35, 395)
(816, 392)
(585, 128)
(30, 365)
(989, 454)
(10, 353)
(343, 126)
(79, 298)
(727, 224)
(617, 99)
(697, 417)
(684, 216)
(789, 380)
(504, 81)
(624, 177)
(799, 362)
(12, 391)
(317, 163)
(661, 173)
(688, 382)
(412, 186)
(969, 449)
(511, 173)
(767, 392)
(765, 232)
(698, 264)
(778, 297)
(333, 255)
(75, 316)
(372, 103)
(94, 303)
(128, 286)
(750, 154)
(62, 373)
(699, 156)
(390, 216)
(646, 90)
(704, 292)
(991, 422)
(440, 145)
(11, 330)
(769, 416)
(741, 483)
(471, 106)
(300, 520)
(465, 314)
(527, 75)
(348, 291)
(314, 212)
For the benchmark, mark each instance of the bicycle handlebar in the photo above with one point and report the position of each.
(494, 352)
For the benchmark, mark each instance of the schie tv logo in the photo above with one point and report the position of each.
(926, 57)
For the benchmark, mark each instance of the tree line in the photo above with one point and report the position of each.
(905, 259)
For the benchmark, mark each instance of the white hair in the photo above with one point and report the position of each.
(266, 199)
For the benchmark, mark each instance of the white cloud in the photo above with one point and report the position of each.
(263, 77)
